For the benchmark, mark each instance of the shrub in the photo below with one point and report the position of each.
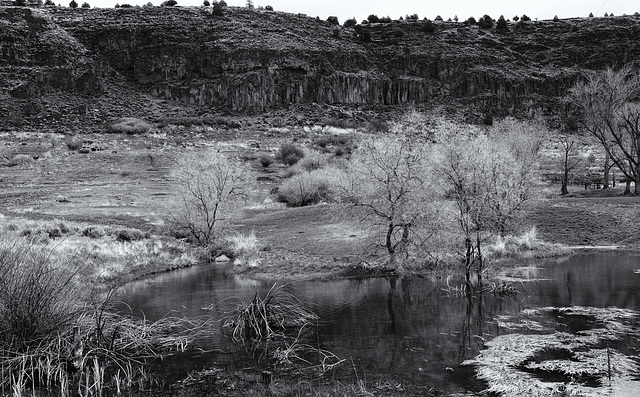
(93, 232)
(129, 235)
(373, 18)
(386, 19)
(265, 160)
(49, 3)
(310, 187)
(486, 22)
(73, 4)
(129, 126)
(438, 18)
(336, 33)
(20, 159)
(290, 153)
(333, 20)
(349, 23)
(471, 21)
(206, 3)
(590, 15)
(429, 26)
(85, 5)
(412, 17)
(268, 8)
(169, 3)
(555, 18)
(525, 18)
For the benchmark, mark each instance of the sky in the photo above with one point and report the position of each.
(360, 9)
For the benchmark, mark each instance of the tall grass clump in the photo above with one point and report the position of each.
(56, 339)
(245, 248)
(276, 328)
(526, 245)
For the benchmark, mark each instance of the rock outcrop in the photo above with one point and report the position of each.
(254, 60)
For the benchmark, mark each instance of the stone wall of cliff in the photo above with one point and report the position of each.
(255, 60)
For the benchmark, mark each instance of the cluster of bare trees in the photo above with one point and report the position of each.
(610, 107)
(452, 183)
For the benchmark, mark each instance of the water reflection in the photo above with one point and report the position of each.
(403, 329)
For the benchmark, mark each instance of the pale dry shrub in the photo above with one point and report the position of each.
(129, 126)
(311, 187)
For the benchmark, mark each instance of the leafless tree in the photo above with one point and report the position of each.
(570, 161)
(611, 111)
(212, 192)
(391, 182)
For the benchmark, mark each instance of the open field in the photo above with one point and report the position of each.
(124, 181)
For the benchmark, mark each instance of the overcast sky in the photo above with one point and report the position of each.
(360, 9)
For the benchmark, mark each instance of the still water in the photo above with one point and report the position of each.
(405, 330)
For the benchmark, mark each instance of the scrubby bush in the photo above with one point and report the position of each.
(555, 18)
(428, 26)
(310, 188)
(85, 5)
(73, 4)
(412, 17)
(128, 235)
(349, 23)
(333, 20)
(93, 232)
(438, 18)
(373, 18)
(268, 8)
(486, 22)
(525, 18)
(20, 159)
(312, 162)
(471, 21)
(290, 153)
(265, 160)
(128, 125)
(206, 3)
(386, 19)
(169, 3)
(516, 18)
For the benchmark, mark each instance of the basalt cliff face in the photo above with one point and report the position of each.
(251, 61)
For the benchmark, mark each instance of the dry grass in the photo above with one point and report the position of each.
(54, 340)
(527, 245)
(245, 249)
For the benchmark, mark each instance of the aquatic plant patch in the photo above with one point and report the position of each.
(596, 359)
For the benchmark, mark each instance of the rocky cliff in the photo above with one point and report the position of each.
(255, 60)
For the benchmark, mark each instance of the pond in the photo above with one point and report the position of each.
(405, 330)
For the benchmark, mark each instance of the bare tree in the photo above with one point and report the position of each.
(212, 192)
(489, 178)
(609, 104)
(391, 181)
(570, 161)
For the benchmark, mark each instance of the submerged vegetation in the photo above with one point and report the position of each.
(588, 362)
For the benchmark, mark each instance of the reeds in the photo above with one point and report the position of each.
(276, 326)
(53, 342)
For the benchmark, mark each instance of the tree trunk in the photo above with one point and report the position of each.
(607, 167)
(627, 188)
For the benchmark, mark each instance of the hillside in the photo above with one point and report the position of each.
(84, 66)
